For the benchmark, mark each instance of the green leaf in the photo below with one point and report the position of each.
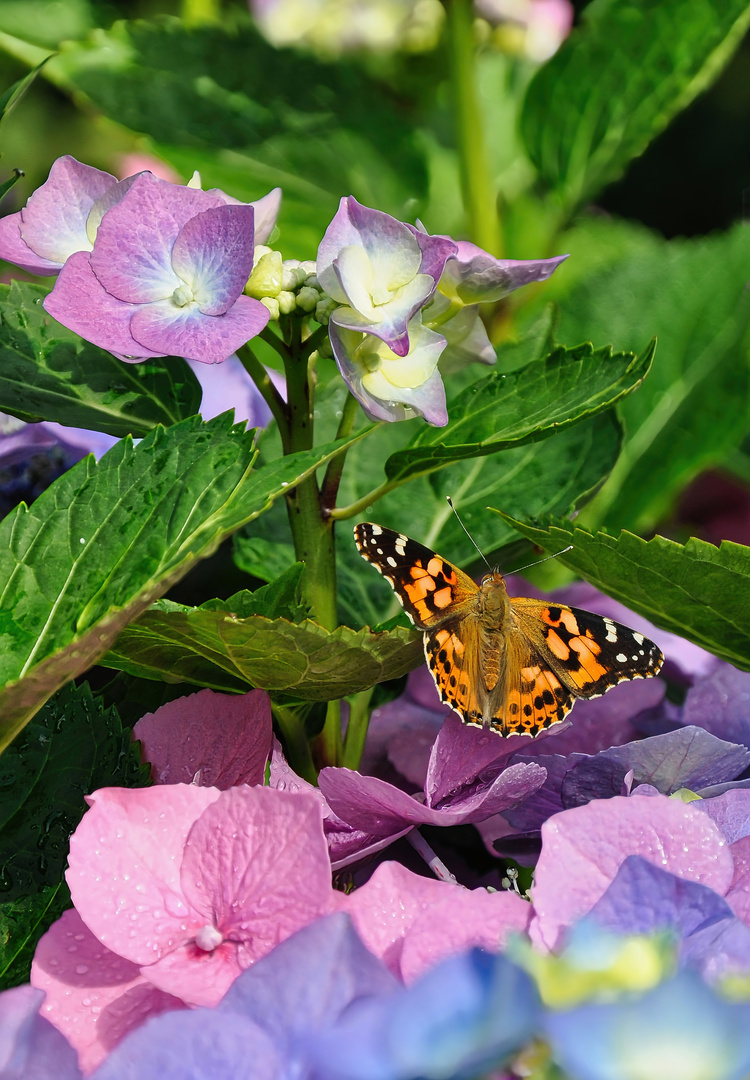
(319, 130)
(501, 411)
(220, 650)
(105, 540)
(22, 923)
(45, 22)
(617, 82)
(693, 409)
(281, 598)
(695, 590)
(49, 373)
(73, 747)
(550, 477)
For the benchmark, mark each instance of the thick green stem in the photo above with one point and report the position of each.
(479, 194)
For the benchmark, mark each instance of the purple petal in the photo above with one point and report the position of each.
(54, 219)
(228, 386)
(436, 251)
(215, 740)
(198, 1043)
(731, 812)
(546, 800)
(29, 1045)
(132, 254)
(478, 277)
(719, 704)
(14, 250)
(80, 302)
(688, 758)
(213, 254)
(308, 981)
(461, 753)
(188, 332)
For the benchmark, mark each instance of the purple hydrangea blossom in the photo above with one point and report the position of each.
(30, 1047)
(165, 276)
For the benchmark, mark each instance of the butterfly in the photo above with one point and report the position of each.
(510, 664)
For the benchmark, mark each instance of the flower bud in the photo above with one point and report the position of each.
(287, 302)
(266, 278)
(307, 298)
(272, 304)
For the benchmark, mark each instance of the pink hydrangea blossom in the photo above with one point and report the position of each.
(179, 888)
(165, 276)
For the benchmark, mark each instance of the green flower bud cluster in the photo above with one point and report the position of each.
(283, 285)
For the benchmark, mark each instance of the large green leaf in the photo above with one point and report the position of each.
(695, 405)
(523, 406)
(105, 540)
(549, 477)
(49, 373)
(696, 590)
(73, 747)
(321, 130)
(617, 82)
(220, 650)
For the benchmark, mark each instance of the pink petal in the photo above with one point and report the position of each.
(14, 250)
(54, 219)
(132, 255)
(124, 868)
(583, 848)
(197, 977)
(213, 254)
(215, 740)
(462, 919)
(387, 906)
(93, 996)
(187, 332)
(738, 896)
(79, 302)
(256, 864)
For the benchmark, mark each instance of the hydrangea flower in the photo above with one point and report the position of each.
(336, 26)
(165, 276)
(179, 888)
(380, 271)
(30, 1047)
(62, 216)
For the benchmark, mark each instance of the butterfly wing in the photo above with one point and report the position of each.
(431, 590)
(589, 654)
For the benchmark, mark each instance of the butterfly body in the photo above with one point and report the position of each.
(510, 664)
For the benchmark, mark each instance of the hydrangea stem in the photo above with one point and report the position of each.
(356, 729)
(479, 194)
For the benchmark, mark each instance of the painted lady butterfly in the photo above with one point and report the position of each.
(510, 664)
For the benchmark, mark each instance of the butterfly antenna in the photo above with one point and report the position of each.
(545, 559)
(449, 500)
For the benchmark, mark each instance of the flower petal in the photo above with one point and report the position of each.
(14, 250)
(215, 740)
(132, 255)
(257, 861)
(92, 995)
(213, 254)
(475, 276)
(80, 302)
(54, 219)
(195, 976)
(124, 867)
(186, 331)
